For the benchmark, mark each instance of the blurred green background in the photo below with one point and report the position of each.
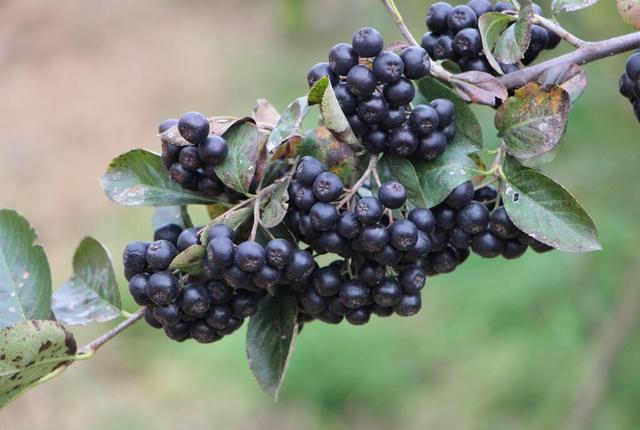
(548, 341)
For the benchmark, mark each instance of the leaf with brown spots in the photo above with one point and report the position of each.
(339, 157)
(570, 77)
(288, 125)
(534, 120)
(265, 112)
(547, 212)
(479, 87)
(25, 276)
(30, 351)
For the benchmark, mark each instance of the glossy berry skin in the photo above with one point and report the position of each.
(403, 142)
(431, 147)
(445, 217)
(189, 158)
(554, 40)
(399, 93)
(392, 194)
(327, 187)
(423, 219)
(167, 124)
(459, 238)
(539, 39)
(461, 17)
(428, 42)
(480, 7)
(367, 42)
(202, 333)
(308, 170)
(318, 72)
(375, 141)
(188, 238)
(162, 288)
(357, 125)
(266, 277)
(403, 234)
(460, 196)
(444, 261)
(250, 256)
(373, 238)
(312, 302)
(368, 210)
(150, 319)
(279, 253)
(388, 293)
(327, 281)
(424, 120)
(160, 254)
(194, 127)
(232, 325)
(134, 258)
(438, 16)
(329, 317)
(220, 230)
(304, 199)
(178, 332)
(337, 307)
(502, 226)
(323, 216)
(301, 266)
(381, 311)
(449, 133)
(181, 175)
(361, 81)
(625, 86)
(373, 110)
(243, 305)
(503, 6)
(409, 304)
(371, 273)
(388, 67)
(346, 99)
(219, 293)
(167, 315)
(632, 67)
(478, 64)
(342, 57)
(359, 316)
(416, 62)
(445, 110)
(210, 187)
(394, 119)
(218, 317)
(388, 256)
(473, 218)
(354, 294)
(513, 249)
(170, 154)
(213, 150)
(487, 245)
(221, 252)
(443, 49)
(412, 279)
(348, 225)
(485, 194)
(194, 300)
(467, 43)
(138, 289)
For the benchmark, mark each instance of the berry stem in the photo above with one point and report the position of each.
(373, 162)
(256, 218)
(90, 349)
(559, 30)
(587, 53)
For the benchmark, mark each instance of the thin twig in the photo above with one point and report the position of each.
(559, 30)
(590, 51)
(373, 162)
(92, 347)
(256, 218)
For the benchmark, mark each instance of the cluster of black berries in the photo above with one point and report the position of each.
(375, 92)
(192, 165)
(382, 276)
(453, 35)
(630, 83)
(464, 222)
(204, 307)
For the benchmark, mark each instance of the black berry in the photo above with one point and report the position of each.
(361, 81)
(367, 42)
(327, 187)
(388, 67)
(162, 288)
(250, 256)
(399, 93)
(342, 57)
(461, 195)
(416, 62)
(213, 150)
(160, 254)
(368, 210)
(392, 194)
(194, 127)
(473, 218)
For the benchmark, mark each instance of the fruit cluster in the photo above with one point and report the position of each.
(204, 308)
(453, 35)
(630, 83)
(374, 90)
(192, 164)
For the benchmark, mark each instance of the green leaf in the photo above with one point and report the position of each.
(440, 176)
(233, 219)
(558, 6)
(30, 351)
(277, 205)
(270, 341)
(468, 131)
(394, 168)
(172, 215)
(238, 169)
(629, 11)
(25, 276)
(546, 211)
(289, 124)
(91, 294)
(534, 120)
(492, 25)
(332, 115)
(513, 43)
(190, 261)
(570, 77)
(139, 178)
(479, 87)
(339, 157)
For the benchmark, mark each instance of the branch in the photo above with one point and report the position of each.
(373, 162)
(590, 51)
(92, 347)
(560, 31)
